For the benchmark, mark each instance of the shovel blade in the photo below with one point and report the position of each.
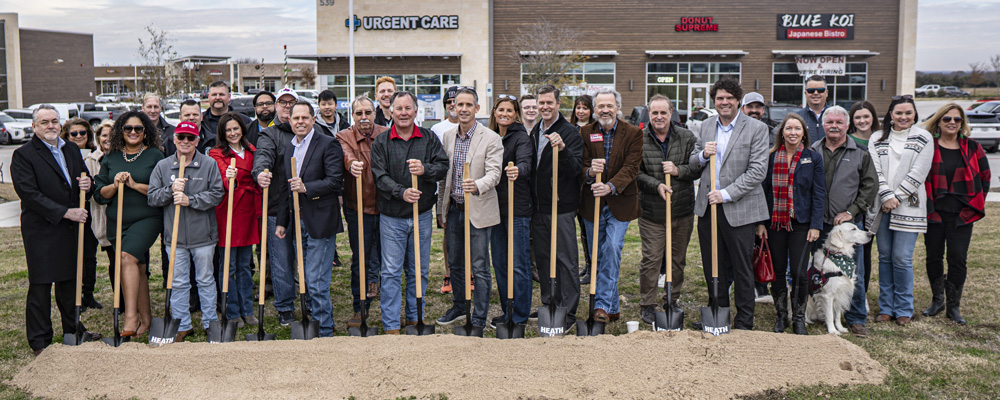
(161, 332)
(254, 337)
(362, 331)
(715, 320)
(214, 332)
(551, 322)
(469, 330)
(111, 341)
(672, 321)
(77, 339)
(229, 331)
(420, 329)
(298, 330)
(589, 328)
(510, 331)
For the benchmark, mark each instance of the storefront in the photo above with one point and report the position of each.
(865, 49)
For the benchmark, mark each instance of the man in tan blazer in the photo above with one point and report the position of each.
(473, 143)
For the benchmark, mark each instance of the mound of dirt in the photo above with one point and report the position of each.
(638, 365)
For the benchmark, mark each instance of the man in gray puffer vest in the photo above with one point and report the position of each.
(665, 150)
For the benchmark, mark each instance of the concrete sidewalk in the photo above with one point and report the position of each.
(10, 214)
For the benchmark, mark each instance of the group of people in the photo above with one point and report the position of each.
(788, 183)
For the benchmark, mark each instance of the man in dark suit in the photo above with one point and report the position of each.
(319, 161)
(46, 174)
(740, 146)
(612, 147)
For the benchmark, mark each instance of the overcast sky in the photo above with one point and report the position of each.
(950, 33)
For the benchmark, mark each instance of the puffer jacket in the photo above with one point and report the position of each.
(680, 144)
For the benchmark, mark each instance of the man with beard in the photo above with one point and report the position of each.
(328, 116)
(385, 87)
(439, 129)
(356, 143)
(263, 106)
(218, 104)
(816, 95)
(612, 147)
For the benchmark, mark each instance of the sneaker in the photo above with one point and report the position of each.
(533, 317)
(859, 330)
(648, 314)
(498, 320)
(240, 324)
(250, 320)
(285, 317)
(762, 297)
(451, 316)
(662, 280)
(355, 321)
(446, 286)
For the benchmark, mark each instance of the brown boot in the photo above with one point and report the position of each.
(355, 321)
(392, 332)
(183, 334)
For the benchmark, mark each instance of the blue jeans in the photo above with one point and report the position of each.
(522, 266)
(181, 296)
(611, 239)
(373, 257)
(317, 258)
(282, 268)
(397, 257)
(479, 243)
(239, 302)
(895, 270)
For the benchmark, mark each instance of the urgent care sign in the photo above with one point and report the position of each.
(816, 26)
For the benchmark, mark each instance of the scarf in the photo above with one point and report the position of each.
(781, 183)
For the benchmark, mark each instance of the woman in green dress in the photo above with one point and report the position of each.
(135, 150)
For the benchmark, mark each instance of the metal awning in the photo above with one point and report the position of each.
(849, 53)
(589, 53)
(709, 53)
(330, 57)
(200, 59)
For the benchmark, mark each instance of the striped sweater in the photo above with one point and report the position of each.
(907, 185)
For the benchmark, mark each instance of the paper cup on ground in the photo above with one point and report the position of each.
(632, 326)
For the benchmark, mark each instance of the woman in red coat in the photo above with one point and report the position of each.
(246, 214)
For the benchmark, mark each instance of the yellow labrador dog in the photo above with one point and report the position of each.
(832, 278)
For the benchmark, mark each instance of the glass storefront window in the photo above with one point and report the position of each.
(683, 76)
(844, 90)
(424, 84)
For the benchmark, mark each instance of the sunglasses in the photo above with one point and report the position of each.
(449, 101)
(264, 104)
(189, 138)
(816, 90)
(77, 133)
(903, 97)
(948, 119)
(506, 96)
(133, 128)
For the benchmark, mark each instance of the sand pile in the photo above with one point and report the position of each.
(639, 365)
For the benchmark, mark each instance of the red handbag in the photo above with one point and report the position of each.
(762, 266)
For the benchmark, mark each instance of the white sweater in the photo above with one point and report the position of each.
(902, 166)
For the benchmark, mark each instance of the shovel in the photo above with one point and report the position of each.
(260, 336)
(363, 330)
(468, 329)
(510, 330)
(552, 319)
(305, 329)
(79, 336)
(420, 328)
(223, 330)
(117, 339)
(668, 320)
(163, 330)
(591, 327)
(714, 319)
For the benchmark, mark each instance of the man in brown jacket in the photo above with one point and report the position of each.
(356, 142)
(612, 148)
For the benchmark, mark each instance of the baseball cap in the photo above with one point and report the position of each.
(450, 93)
(753, 97)
(186, 128)
(286, 91)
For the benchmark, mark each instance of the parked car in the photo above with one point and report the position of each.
(778, 111)
(926, 89)
(694, 123)
(243, 105)
(14, 131)
(308, 94)
(95, 113)
(985, 130)
(992, 107)
(173, 117)
(19, 114)
(954, 91)
(106, 98)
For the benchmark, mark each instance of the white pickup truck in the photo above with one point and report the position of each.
(924, 90)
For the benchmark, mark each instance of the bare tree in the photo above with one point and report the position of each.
(995, 70)
(155, 52)
(542, 52)
(308, 78)
(976, 72)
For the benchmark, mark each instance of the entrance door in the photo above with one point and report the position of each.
(698, 98)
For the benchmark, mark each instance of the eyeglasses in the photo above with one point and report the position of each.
(284, 103)
(903, 97)
(361, 113)
(133, 128)
(77, 133)
(506, 96)
(182, 138)
(449, 101)
(948, 119)
(816, 90)
(264, 104)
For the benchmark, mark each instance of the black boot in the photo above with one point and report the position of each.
(937, 299)
(954, 300)
(90, 303)
(799, 312)
(779, 291)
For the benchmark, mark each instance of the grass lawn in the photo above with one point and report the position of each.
(931, 358)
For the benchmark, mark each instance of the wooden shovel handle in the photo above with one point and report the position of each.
(468, 241)
(555, 212)
(118, 245)
(510, 235)
(298, 234)
(263, 247)
(670, 234)
(79, 249)
(594, 246)
(416, 240)
(715, 219)
(229, 231)
(173, 232)
(361, 240)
